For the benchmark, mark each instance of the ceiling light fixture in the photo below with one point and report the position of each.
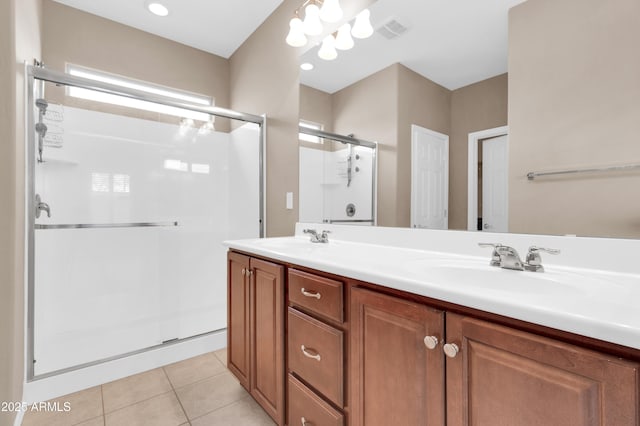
(157, 9)
(306, 66)
(296, 37)
(328, 11)
(311, 24)
(328, 49)
(331, 11)
(362, 26)
(343, 38)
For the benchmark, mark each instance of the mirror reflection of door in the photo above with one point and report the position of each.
(429, 179)
(493, 192)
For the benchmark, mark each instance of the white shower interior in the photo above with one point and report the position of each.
(101, 293)
(327, 187)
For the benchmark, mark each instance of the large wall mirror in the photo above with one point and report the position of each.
(487, 93)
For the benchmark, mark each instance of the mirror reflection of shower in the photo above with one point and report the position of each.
(337, 178)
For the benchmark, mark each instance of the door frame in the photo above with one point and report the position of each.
(472, 171)
(414, 128)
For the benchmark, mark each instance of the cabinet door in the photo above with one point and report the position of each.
(395, 378)
(238, 324)
(267, 353)
(502, 376)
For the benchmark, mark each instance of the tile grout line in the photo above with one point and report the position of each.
(223, 406)
(186, 416)
(104, 415)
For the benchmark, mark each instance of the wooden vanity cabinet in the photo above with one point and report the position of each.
(363, 355)
(255, 332)
(495, 375)
(315, 350)
(396, 361)
(501, 376)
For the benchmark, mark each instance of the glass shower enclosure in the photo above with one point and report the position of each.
(126, 214)
(337, 178)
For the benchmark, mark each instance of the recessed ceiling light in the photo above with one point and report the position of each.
(306, 66)
(157, 9)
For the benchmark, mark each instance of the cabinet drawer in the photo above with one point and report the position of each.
(305, 407)
(316, 354)
(317, 294)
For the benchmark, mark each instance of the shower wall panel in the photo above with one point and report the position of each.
(325, 188)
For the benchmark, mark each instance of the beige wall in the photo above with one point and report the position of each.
(73, 36)
(383, 106)
(476, 107)
(20, 29)
(426, 104)
(369, 110)
(316, 106)
(264, 79)
(574, 90)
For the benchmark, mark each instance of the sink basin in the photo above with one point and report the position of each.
(475, 273)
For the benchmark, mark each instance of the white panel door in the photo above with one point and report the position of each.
(429, 179)
(495, 215)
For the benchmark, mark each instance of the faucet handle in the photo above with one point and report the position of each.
(535, 249)
(533, 261)
(310, 231)
(495, 256)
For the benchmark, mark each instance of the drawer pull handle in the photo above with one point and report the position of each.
(310, 294)
(306, 353)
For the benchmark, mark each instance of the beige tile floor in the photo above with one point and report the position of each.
(199, 392)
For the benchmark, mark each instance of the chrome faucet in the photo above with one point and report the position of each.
(504, 256)
(40, 207)
(533, 261)
(507, 257)
(315, 238)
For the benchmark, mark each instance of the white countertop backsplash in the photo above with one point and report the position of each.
(591, 288)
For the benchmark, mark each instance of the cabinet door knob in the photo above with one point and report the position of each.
(244, 271)
(451, 350)
(310, 294)
(308, 354)
(431, 342)
(304, 421)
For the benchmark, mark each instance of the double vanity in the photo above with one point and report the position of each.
(386, 326)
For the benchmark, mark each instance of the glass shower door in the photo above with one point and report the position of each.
(129, 254)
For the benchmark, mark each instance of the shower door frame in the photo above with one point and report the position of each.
(46, 75)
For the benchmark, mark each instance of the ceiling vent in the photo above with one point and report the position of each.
(392, 29)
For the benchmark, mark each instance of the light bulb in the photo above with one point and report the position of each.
(296, 37)
(306, 66)
(362, 27)
(312, 24)
(328, 49)
(158, 9)
(331, 11)
(343, 39)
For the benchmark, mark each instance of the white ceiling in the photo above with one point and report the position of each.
(451, 42)
(215, 26)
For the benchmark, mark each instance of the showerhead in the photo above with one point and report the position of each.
(42, 104)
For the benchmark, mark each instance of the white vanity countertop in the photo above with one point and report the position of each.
(600, 303)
